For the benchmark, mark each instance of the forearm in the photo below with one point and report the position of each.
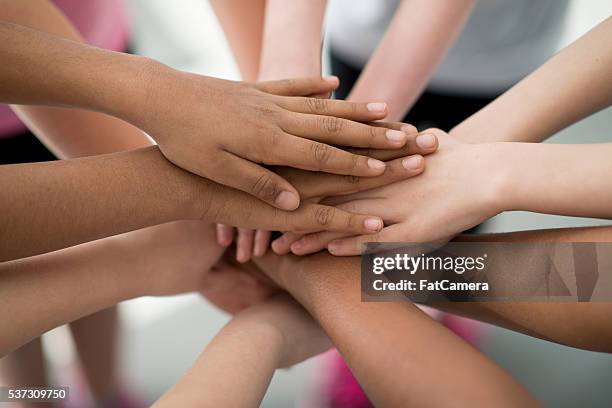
(46, 291)
(292, 39)
(556, 179)
(424, 352)
(47, 206)
(570, 86)
(243, 23)
(577, 324)
(419, 36)
(68, 132)
(74, 74)
(243, 356)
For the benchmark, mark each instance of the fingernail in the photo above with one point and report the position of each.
(377, 107)
(408, 129)
(296, 246)
(412, 162)
(373, 224)
(287, 200)
(376, 164)
(240, 255)
(395, 135)
(426, 141)
(331, 79)
(333, 247)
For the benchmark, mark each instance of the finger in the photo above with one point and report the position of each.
(244, 244)
(299, 86)
(305, 154)
(357, 111)
(282, 245)
(262, 240)
(234, 207)
(315, 242)
(257, 181)
(355, 245)
(225, 235)
(424, 144)
(343, 132)
(312, 185)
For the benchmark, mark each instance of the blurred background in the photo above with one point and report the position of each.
(162, 337)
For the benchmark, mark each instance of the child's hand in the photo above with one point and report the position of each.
(453, 195)
(302, 337)
(401, 164)
(220, 129)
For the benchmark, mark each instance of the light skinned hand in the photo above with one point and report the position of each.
(225, 130)
(401, 164)
(459, 190)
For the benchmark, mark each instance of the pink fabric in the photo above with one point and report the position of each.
(102, 23)
(343, 390)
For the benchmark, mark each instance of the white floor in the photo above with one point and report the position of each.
(163, 336)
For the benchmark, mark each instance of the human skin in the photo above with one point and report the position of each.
(527, 112)
(48, 290)
(274, 334)
(416, 29)
(272, 39)
(51, 205)
(576, 324)
(70, 133)
(570, 86)
(454, 194)
(267, 129)
(424, 31)
(242, 23)
(399, 355)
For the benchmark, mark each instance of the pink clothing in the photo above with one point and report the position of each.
(102, 23)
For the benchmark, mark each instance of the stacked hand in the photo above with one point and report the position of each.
(452, 195)
(401, 164)
(231, 128)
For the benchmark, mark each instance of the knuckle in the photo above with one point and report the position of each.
(354, 164)
(316, 105)
(372, 134)
(265, 188)
(324, 215)
(321, 153)
(352, 180)
(331, 124)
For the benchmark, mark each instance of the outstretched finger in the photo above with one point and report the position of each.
(355, 245)
(299, 86)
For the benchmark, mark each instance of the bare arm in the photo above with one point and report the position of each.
(398, 353)
(583, 325)
(292, 39)
(576, 324)
(570, 86)
(417, 39)
(45, 291)
(244, 355)
(46, 206)
(197, 132)
(68, 132)
(242, 22)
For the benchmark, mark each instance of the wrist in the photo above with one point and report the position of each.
(262, 335)
(503, 178)
(141, 86)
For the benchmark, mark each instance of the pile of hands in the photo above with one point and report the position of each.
(422, 185)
